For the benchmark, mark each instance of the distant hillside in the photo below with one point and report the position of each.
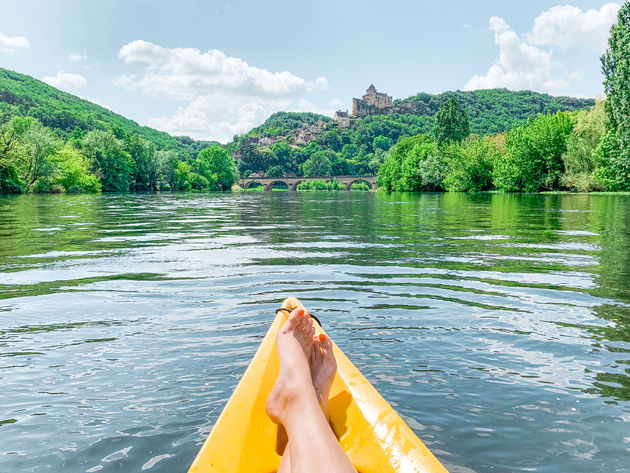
(283, 123)
(492, 110)
(23, 95)
(287, 140)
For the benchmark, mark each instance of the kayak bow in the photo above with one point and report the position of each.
(375, 438)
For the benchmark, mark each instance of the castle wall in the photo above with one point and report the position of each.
(372, 103)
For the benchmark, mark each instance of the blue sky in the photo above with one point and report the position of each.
(214, 69)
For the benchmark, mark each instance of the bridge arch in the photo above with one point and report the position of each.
(254, 183)
(278, 181)
(371, 185)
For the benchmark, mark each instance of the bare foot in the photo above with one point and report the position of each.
(323, 369)
(295, 345)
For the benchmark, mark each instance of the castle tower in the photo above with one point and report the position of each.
(372, 103)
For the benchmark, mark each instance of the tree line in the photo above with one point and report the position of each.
(273, 147)
(51, 141)
(34, 158)
(586, 150)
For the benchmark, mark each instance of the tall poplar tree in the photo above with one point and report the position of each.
(615, 146)
(451, 122)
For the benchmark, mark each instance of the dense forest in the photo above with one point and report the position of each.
(51, 141)
(495, 110)
(312, 145)
(65, 114)
(586, 150)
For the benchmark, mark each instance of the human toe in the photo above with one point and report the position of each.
(293, 321)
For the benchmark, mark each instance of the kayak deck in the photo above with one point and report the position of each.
(371, 433)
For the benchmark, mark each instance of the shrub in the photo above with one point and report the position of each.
(470, 165)
(413, 164)
(320, 185)
(360, 186)
(275, 171)
(533, 157)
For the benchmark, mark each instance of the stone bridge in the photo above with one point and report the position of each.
(292, 182)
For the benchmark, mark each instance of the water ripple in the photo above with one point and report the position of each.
(497, 325)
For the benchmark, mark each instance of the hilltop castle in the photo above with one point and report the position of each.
(372, 103)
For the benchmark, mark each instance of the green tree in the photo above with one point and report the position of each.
(533, 158)
(10, 151)
(275, 171)
(181, 175)
(73, 171)
(317, 165)
(112, 163)
(376, 160)
(332, 140)
(38, 143)
(470, 165)
(581, 159)
(413, 164)
(451, 122)
(382, 142)
(423, 168)
(216, 165)
(146, 165)
(282, 153)
(615, 148)
(350, 151)
(167, 161)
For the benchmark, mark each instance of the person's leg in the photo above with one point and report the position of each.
(285, 463)
(323, 368)
(293, 402)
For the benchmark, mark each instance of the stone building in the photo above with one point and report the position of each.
(342, 119)
(371, 103)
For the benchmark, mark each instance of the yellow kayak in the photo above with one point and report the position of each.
(373, 436)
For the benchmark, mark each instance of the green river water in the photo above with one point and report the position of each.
(498, 326)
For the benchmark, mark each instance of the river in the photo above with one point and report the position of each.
(498, 326)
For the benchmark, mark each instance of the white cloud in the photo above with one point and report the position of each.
(304, 105)
(321, 83)
(226, 95)
(219, 115)
(9, 44)
(66, 80)
(519, 65)
(184, 73)
(336, 103)
(76, 57)
(564, 26)
(522, 64)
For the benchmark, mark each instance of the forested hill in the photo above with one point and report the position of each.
(290, 142)
(25, 96)
(493, 110)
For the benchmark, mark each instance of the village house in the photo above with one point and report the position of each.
(342, 119)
